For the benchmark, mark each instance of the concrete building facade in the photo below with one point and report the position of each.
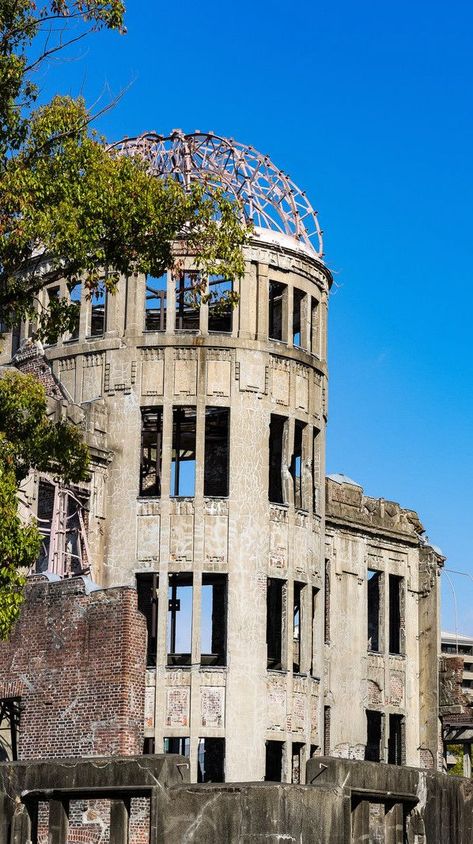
(276, 632)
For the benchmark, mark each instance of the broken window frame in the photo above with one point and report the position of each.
(151, 451)
(98, 310)
(187, 301)
(296, 468)
(374, 735)
(218, 620)
(313, 630)
(277, 311)
(374, 614)
(220, 304)
(184, 428)
(213, 769)
(155, 303)
(10, 712)
(177, 581)
(396, 613)
(147, 587)
(276, 601)
(65, 549)
(217, 452)
(396, 739)
(314, 327)
(274, 761)
(277, 440)
(298, 314)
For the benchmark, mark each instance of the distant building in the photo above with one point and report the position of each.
(460, 645)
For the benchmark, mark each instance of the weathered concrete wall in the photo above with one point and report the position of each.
(76, 660)
(345, 802)
(365, 534)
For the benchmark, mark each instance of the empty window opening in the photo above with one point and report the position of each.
(211, 760)
(217, 430)
(297, 316)
(220, 304)
(327, 603)
(155, 303)
(47, 505)
(179, 627)
(396, 740)
(277, 311)
(275, 605)
(274, 761)
(149, 746)
(53, 304)
(313, 640)
(395, 600)
(316, 471)
(98, 309)
(327, 717)
(187, 302)
(147, 586)
(373, 736)
(15, 338)
(9, 727)
(213, 628)
(183, 451)
(296, 464)
(297, 762)
(75, 294)
(314, 327)
(297, 620)
(181, 745)
(374, 606)
(276, 445)
(151, 451)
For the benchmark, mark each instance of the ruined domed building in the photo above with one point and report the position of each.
(282, 615)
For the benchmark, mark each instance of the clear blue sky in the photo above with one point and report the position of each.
(368, 106)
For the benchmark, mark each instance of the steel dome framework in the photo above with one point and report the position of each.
(266, 195)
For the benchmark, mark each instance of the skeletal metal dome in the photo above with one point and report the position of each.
(266, 195)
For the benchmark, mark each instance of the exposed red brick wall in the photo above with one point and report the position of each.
(78, 662)
(31, 361)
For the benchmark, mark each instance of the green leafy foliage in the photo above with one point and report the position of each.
(28, 440)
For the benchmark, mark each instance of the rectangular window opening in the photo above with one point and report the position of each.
(396, 740)
(155, 303)
(53, 294)
(98, 310)
(216, 471)
(187, 302)
(180, 745)
(374, 607)
(297, 621)
(297, 762)
(297, 316)
(277, 311)
(47, 505)
(149, 746)
(151, 451)
(395, 601)
(327, 603)
(313, 621)
(147, 587)
(183, 452)
(327, 718)
(373, 736)
(179, 626)
(213, 627)
(296, 464)
(274, 760)
(211, 760)
(220, 304)
(9, 728)
(275, 600)
(75, 294)
(276, 446)
(314, 327)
